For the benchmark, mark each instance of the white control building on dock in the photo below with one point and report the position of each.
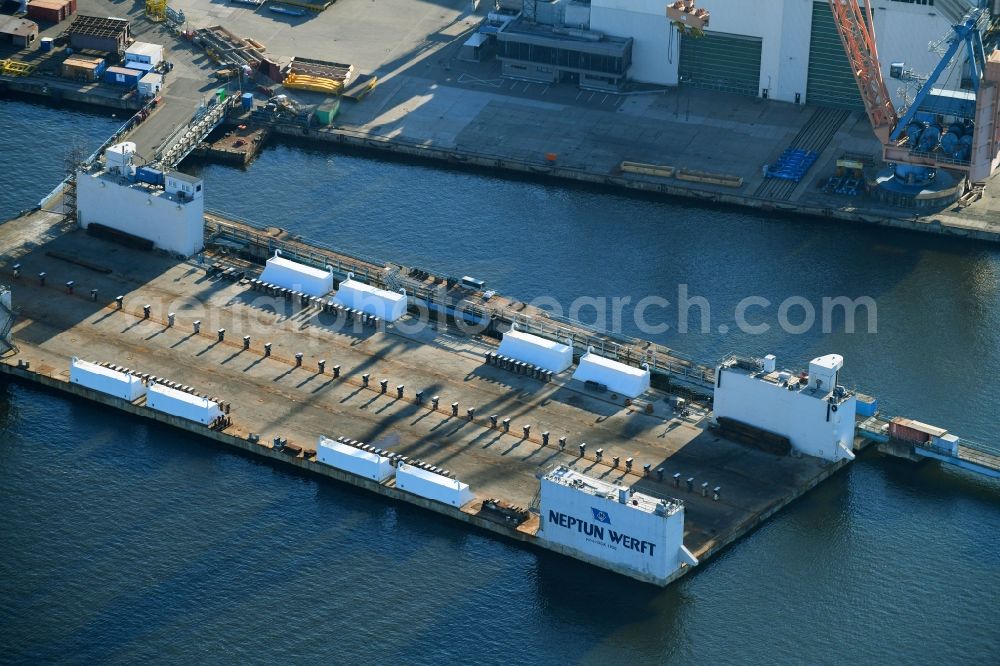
(613, 526)
(165, 208)
(811, 409)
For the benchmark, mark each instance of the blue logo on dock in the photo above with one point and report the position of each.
(601, 516)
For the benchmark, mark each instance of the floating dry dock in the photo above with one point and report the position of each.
(423, 393)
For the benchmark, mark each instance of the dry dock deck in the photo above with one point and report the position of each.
(272, 397)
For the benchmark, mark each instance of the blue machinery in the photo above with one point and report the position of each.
(920, 143)
(967, 33)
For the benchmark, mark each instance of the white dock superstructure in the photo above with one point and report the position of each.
(601, 522)
(811, 409)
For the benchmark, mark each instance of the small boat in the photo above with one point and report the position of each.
(287, 11)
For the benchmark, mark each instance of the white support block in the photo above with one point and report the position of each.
(536, 350)
(178, 403)
(432, 486)
(387, 305)
(297, 277)
(107, 381)
(617, 376)
(353, 460)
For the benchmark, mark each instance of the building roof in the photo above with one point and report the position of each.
(571, 478)
(559, 37)
(97, 26)
(177, 175)
(19, 27)
(144, 48)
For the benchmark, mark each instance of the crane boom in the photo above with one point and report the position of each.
(854, 24)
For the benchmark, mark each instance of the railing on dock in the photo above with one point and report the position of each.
(223, 228)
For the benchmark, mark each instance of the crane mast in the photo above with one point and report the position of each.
(854, 24)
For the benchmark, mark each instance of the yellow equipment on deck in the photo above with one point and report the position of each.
(15, 68)
(156, 10)
(313, 83)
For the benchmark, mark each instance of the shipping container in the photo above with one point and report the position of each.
(83, 69)
(325, 113)
(52, 11)
(46, 44)
(908, 430)
(247, 100)
(122, 76)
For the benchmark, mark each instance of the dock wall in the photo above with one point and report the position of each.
(347, 137)
(53, 91)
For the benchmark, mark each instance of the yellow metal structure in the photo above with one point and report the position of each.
(156, 10)
(15, 68)
(313, 83)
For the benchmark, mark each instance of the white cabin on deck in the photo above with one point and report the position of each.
(812, 409)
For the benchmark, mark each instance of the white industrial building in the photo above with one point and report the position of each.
(613, 375)
(783, 49)
(613, 526)
(811, 409)
(167, 209)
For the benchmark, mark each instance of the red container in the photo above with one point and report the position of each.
(901, 430)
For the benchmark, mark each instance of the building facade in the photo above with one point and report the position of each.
(782, 49)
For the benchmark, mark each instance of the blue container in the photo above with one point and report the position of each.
(45, 45)
(867, 405)
(122, 76)
(247, 100)
(149, 175)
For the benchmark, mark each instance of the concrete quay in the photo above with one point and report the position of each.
(273, 396)
(432, 105)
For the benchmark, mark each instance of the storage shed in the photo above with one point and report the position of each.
(100, 34)
(297, 277)
(432, 486)
(617, 376)
(387, 305)
(178, 403)
(21, 32)
(105, 380)
(354, 460)
(150, 84)
(536, 350)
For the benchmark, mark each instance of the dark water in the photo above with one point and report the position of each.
(125, 542)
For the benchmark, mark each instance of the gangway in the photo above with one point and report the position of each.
(185, 138)
(969, 455)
